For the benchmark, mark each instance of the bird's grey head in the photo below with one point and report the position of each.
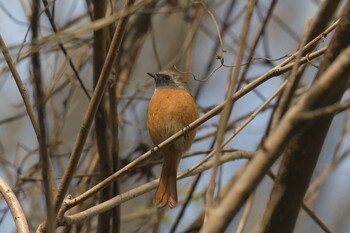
(169, 79)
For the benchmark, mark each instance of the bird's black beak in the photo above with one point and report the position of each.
(152, 75)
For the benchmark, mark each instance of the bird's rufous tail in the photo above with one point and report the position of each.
(166, 192)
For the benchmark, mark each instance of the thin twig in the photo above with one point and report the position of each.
(226, 113)
(316, 218)
(324, 174)
(293, 81)
(20, 87)
(329, 110)
(308, 210)
(188, 199)
(64, 50)
(247, 209)
(256, 41)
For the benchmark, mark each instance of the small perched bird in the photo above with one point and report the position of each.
(170, 109)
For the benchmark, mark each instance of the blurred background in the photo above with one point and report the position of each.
(159, 35)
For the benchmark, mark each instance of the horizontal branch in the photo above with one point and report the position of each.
(110, 204)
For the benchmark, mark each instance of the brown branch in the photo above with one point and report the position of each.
(325, 111)
(256, 41)
(46, 164)
(14, 206)
(308, 210)
(303, 151)
(91, 112)
(337, 159)
(101, 118)
(324, 174)
(316, 218)
(219, 218)
(114, 118)
(21, 88)
(100, 208)
(92, 108)
(293, 82)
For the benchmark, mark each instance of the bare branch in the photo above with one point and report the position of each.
(219, 218)
(15, 207)
(100, 208)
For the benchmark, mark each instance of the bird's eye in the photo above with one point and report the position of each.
(166, 77)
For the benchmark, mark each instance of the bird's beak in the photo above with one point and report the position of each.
(152, 75)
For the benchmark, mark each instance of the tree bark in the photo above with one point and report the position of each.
(101, 118)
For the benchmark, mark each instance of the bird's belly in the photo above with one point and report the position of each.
(170, 111)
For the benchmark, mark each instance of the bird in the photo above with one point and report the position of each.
(171, 109)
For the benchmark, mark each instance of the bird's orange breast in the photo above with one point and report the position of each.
(169, 111)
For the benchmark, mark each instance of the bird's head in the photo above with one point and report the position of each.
(169, 79)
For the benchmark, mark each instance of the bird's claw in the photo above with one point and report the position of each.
(185, 131)
(154, 149)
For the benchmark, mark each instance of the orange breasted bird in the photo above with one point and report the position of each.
(170, 110)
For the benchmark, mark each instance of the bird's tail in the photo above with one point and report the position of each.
(166, 192)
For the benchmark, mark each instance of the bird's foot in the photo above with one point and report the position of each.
(185, 131)
(155, 149)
